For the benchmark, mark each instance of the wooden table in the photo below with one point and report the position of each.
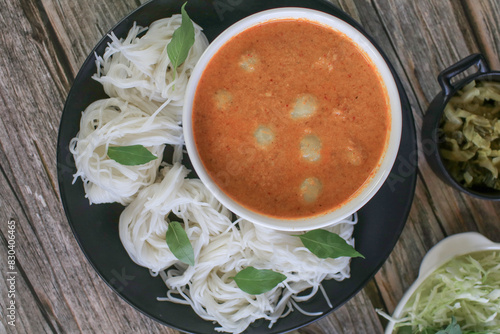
(44, 42)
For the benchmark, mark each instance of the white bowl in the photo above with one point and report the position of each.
(385, 164)
(442, 252)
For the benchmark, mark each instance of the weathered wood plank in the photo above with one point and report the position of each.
(347, 319)
(421, 39)
(30, 306)
(483, 16)
(428, 36)
(66, 295)
(422, 64)
(400, 269)
(421, 232)
(71, 296)
(17, 300)
(77, 26)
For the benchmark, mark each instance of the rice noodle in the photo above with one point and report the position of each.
(222, 249)
(143, 223)
(214, 295)
(114, 122)
(138, 68)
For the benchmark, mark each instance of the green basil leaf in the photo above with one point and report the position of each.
(325, 244)
(405, 330)
(178, 243)
(257, 281)
(130, 155)
(425, 331)
(182, 41)
(452, 328)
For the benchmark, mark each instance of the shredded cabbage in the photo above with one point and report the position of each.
(467, 287)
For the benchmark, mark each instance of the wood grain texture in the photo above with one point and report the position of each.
(346, 319)
(63, 288)
(421, 39)
(79, 25)
(441, 43)
(43, 44)
(483, 17)
(26, 303)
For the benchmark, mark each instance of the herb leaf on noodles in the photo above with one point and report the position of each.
(182, 41)
(257, 281)
(178, 243)
(325, 244)
(130, 155)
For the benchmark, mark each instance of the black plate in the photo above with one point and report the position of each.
(96, 227)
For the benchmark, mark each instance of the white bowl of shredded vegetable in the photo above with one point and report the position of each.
(457, 290)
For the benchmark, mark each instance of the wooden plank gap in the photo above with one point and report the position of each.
(407, 77)
(43, 29)
(432, 204)
(47, 170)
(430, 32)
(23, 210)
(477, 20)
(102, 32)
(374, 294)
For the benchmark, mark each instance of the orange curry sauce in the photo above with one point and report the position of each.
(291, 119)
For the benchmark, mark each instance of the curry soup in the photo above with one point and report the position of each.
(291, 119)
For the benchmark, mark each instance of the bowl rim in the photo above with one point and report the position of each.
(441, 253)
(369, 189)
